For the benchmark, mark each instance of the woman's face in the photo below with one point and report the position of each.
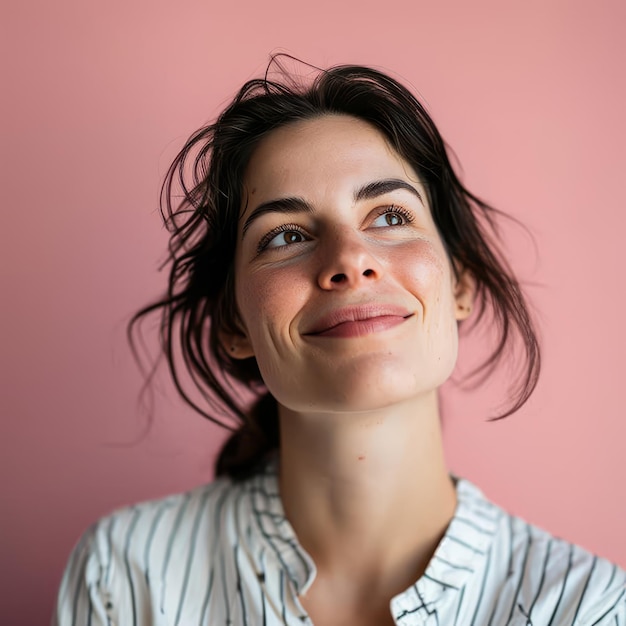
(346, 294)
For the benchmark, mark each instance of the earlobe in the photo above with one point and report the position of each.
(464, 293)
(241, 351)
(462, 312)
(237, 345)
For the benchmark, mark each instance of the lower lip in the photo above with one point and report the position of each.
(361, 328)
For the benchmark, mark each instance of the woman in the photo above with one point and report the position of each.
(327, 240)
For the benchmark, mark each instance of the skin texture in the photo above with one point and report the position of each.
(359, 418)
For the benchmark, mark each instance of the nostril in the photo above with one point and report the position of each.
(338, 278)
(368, 272)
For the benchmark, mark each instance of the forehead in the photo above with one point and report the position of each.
(326, 155)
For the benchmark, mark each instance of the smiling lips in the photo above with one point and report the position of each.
(360, 320)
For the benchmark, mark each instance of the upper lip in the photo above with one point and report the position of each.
(356, 314)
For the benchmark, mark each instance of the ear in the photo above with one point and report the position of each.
(236, 344)
(464, 292)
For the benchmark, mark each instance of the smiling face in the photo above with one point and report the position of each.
(347, 297)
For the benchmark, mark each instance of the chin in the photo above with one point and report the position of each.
(352, 389)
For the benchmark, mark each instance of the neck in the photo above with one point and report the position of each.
(375, 479)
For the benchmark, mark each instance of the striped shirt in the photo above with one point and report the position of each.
(224, 554)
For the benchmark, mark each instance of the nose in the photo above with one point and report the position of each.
(347, 261)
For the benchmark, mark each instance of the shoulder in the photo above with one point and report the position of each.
(138, 530)
(571, 583)
(551, 578)
(130, 553)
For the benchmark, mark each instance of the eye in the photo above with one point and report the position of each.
(392, 216)
(284, 235)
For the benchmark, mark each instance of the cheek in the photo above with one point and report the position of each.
(425, 267)
(268, 301)
(429, 276)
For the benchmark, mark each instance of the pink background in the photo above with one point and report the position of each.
(97, 99)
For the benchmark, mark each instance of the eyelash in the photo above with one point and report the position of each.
(407, 215)
(283, 228)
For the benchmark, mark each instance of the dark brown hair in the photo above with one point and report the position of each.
(201, 201)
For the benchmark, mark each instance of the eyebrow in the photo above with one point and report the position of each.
(368, 191)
